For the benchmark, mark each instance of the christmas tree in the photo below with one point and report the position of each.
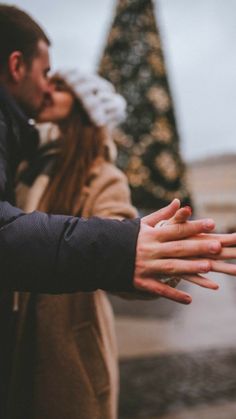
(148, 141)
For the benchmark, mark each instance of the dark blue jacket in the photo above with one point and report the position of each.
(54, 253)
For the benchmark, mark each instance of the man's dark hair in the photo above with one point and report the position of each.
(18, 32)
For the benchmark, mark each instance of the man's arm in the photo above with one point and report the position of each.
(56, 254)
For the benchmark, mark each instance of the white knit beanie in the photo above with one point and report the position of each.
(104, 106)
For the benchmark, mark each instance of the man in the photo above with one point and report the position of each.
(85, 254)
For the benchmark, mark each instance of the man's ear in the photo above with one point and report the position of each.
(16, 66)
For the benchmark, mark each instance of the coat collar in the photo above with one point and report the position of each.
(26, 137)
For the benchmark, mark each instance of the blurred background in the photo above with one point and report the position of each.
(176, 362)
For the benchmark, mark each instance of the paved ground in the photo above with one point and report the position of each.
(218, 411)
(179, 362)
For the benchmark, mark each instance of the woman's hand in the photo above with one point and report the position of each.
(227, 241)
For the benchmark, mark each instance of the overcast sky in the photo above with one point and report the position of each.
(200, 43)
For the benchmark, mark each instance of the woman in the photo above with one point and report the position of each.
(66, 344)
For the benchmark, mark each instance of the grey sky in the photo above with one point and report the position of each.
(199, 39)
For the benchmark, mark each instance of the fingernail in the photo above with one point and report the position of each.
(176, 201)
(187, 299)
(204, 267)
(208, 224)
(188, 208)
(214, 247)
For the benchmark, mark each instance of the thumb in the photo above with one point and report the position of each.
(163, 214)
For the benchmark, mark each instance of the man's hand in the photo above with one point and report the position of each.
(173, 250)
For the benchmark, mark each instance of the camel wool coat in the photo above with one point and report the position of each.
(65, 364)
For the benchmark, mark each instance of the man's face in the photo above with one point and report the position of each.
(33, 88)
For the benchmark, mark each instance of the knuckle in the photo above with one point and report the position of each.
(179, 229)
(169, 267)
(205, 266)
(177, 248)
(209, 265)
(141, 268)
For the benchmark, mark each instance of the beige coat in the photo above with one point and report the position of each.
(66, 359)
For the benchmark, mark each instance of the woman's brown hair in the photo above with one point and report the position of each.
(81, 144)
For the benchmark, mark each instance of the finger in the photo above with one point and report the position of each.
(178, 267)
(180, 231)
(223, 267)
(201, 281)
(163, 214)
(225, 239)
(157, 288)
(181, 215)
(188, 248)
(226, 253)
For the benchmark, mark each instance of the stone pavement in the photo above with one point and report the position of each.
(179, 362)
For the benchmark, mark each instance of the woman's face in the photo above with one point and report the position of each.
(58, 106)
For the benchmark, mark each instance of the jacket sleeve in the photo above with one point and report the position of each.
(55, 254)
